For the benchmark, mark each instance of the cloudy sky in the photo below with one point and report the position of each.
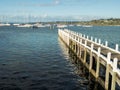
(16, 10)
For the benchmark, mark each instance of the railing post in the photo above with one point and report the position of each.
(99, 41)
(84, 35)
(114, 74)
(91, 38)
(107, 71)
(115, 61)
(68, 38)
(74, 46)
(79, 40)
(75, 43)
(81, 35)
(80, 47)
(87, 37)
(106, 43)
(85, 51)
(117, 47)
(98, 63)
(90, 66)
(95, 40)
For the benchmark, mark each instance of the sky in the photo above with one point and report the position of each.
(51, 10)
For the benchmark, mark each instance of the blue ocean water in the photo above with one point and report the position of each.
(35, 59)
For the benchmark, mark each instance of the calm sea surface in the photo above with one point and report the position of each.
(35, 59)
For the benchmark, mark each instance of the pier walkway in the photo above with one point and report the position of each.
(96, 57)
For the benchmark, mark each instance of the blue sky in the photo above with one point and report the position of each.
(59, 9)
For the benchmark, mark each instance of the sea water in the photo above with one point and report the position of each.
(36, 59)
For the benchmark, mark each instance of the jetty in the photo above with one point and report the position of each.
(101, 61)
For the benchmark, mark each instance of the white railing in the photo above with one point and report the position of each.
(78, 38)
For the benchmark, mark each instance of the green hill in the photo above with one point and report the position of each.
(100, 22)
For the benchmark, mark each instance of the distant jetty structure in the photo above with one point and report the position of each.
(95, 56)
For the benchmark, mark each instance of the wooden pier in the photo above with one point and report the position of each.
(102, 61)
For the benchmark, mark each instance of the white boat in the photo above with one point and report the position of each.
(47, 25)
(16, 24)
(25, 25)
(2, 24)
(38, 25)
(71, 25)
(87, 26)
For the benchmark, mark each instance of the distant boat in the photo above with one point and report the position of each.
(25, 25)
(16, 24)
(37, 25)
(48, 25)
(71, 25)
(87, 26)
(5, 24)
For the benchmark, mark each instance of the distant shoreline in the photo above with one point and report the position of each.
(100, 22)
